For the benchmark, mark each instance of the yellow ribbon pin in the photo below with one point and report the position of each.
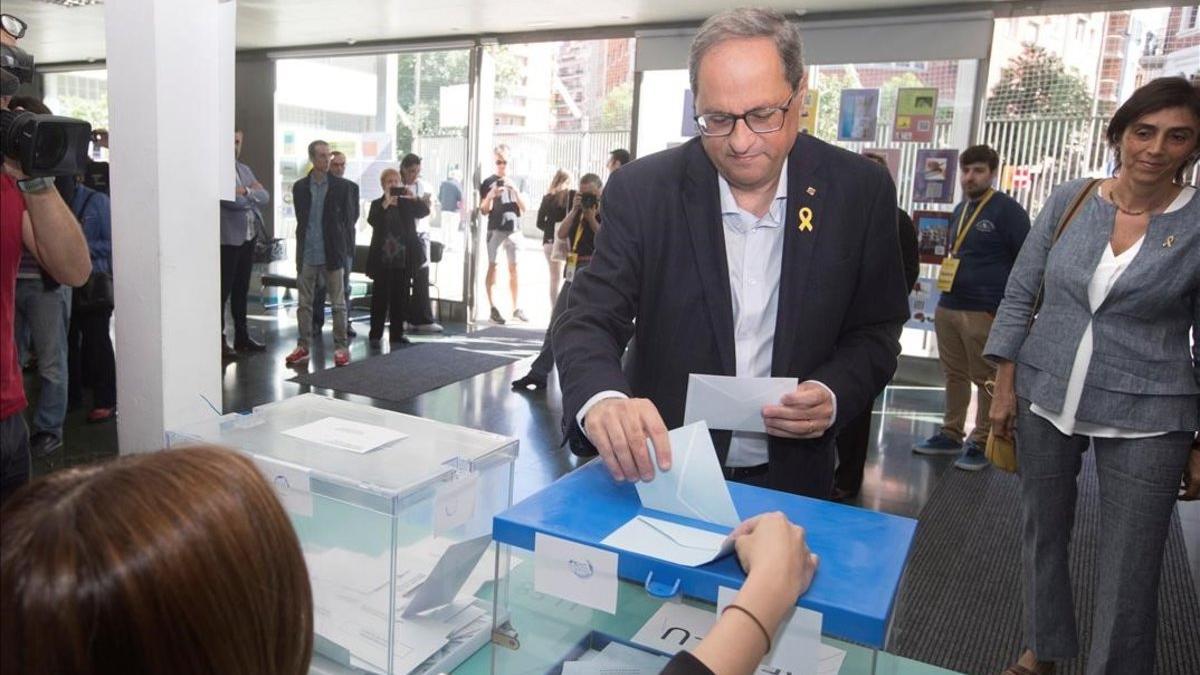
(806, 216)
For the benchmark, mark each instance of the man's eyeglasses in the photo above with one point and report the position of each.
(759, 120)
(501, 161)
(12, 25)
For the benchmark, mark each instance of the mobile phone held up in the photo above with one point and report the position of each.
(398, 191)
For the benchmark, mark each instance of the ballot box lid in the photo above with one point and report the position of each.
(427, 453)
(862, 552)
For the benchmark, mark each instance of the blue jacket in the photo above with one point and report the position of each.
(987, 254)
(94, 212)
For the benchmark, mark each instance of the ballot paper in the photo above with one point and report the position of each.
(694, 487)
(733, 403)
(669, 541)
(343, 434)
(796, 647)
(448, 576)
(675, 627)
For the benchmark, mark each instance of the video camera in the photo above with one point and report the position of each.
(44, 145)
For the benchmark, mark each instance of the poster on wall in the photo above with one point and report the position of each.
(933, 233)
(810, 111)
(922, 303)
(915, 110)
(934, 176)
(891, 156)
(859, 115)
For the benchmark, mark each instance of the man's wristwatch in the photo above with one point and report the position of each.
(35, 185)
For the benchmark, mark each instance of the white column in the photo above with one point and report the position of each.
(170, 89)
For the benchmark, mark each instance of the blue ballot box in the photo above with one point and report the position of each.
(862, 552)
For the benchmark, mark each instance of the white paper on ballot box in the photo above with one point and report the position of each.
(343, 434)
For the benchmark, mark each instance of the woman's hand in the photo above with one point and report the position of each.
(769, 546)
(1003, 412)
(1190, 489)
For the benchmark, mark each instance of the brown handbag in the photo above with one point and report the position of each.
(1002, 452)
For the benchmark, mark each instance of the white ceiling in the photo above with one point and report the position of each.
(57, 34)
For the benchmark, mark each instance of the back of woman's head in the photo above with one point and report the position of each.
(178, 562)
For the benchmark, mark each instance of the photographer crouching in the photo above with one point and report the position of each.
(33, 217)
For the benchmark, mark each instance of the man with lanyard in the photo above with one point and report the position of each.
(579, 228)
(988, 229)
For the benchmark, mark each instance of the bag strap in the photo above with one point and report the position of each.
(83, 207)
(1063, 222)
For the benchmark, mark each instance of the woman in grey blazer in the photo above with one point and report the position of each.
(1107, 361)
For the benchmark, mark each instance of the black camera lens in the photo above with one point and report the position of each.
(45, 145)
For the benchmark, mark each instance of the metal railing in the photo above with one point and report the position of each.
(1047, 152)
(534, 159)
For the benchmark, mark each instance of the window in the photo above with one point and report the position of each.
(1190, 20)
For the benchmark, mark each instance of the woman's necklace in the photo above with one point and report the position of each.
(1113, 198)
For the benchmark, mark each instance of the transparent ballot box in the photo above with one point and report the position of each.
(564, 595)
(394, 514)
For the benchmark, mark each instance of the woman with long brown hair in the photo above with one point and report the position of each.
(179, 562)
(555, 204)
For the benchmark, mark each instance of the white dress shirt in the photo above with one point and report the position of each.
(1110, 268)
(754, 252)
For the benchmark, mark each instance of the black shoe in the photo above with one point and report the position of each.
(43, 444)
(528, 381)
(249, 345)
(350, 332)
(400, 341)
(840, 495)
(496, 317)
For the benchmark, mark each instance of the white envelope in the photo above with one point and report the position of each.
(672, 542)
(733, 403)
(694, 487)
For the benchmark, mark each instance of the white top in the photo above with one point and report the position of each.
(754, 252)
(1110, 269)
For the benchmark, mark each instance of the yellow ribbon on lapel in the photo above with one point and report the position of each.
(806, 216)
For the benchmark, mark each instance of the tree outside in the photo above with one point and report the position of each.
(1036, 83)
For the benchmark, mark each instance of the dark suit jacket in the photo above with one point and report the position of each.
(334, 223)
(399, 221)
(660, 275)
(352, 218)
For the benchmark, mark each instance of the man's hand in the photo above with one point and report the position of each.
(13, 168)
(241, 191)
(619, 428)
(804, 413)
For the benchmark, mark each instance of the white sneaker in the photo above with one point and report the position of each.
(426, 328)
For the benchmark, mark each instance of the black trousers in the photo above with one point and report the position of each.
(420, 310)
(15, 461)
(852, 445)
(90, 359)
(236, 262)
(390, 297)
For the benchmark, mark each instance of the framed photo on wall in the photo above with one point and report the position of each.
(934, 176)
(859, 115)
(933, 235)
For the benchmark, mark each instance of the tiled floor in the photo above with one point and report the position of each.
(896, 481)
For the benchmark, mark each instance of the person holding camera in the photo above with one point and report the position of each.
(395, 256)
(503, 205)
(579, 228)
(33, 217)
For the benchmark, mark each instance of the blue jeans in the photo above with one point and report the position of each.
(43, 316)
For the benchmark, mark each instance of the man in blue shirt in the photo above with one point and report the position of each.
(323, 211)
(987, 230)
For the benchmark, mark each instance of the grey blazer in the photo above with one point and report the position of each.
(234, 213)
(1143, 374)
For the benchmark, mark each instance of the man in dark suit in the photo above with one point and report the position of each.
(337, 167)
(750, 251)
(322, 203)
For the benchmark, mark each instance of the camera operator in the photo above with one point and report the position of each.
(33, 217)
(579, 228)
